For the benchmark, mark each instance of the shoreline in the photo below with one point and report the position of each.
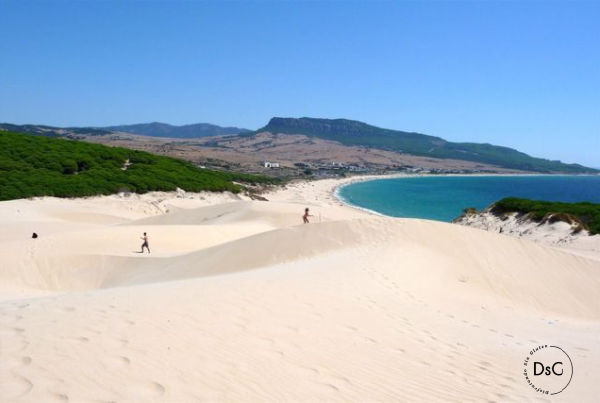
(343, 182)
(587, 246)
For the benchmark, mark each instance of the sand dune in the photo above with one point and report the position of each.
(241, 302)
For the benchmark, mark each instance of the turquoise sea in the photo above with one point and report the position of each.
(443, 198)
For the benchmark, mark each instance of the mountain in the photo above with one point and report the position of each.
(346, 133)
(157, 129)
(52, 131)
(355, 133)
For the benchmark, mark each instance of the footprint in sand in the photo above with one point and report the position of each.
(119, 361)
(331, 386)
(147, 389)
(16, 387)
(311, 370)
(241, 326)
(63, 397)
(343, 379)
(278, 353)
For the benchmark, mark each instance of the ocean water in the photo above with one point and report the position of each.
(443, 198)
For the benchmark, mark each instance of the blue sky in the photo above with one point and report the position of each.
(520, 74)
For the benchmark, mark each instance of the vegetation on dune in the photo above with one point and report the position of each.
(41, 166)
(355, 133)
(584, 214)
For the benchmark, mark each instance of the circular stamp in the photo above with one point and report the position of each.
(548, 369)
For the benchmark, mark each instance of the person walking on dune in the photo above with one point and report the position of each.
(306, 215)
(145, 244)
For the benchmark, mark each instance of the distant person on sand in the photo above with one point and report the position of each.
(306, 215)
(145, 244)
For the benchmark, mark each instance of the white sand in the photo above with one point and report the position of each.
(241, 302)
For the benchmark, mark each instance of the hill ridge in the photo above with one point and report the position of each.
(153, 129)
(160, 129)
(357, 133)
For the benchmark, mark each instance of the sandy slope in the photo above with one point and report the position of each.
(240, 302)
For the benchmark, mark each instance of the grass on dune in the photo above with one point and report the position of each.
(585, 214)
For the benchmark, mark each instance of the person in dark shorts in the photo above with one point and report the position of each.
(145, 244)
(306, 215)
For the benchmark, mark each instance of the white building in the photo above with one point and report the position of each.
(268, 164)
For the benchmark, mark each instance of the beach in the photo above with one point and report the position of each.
(240, 301)
(446, 197)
